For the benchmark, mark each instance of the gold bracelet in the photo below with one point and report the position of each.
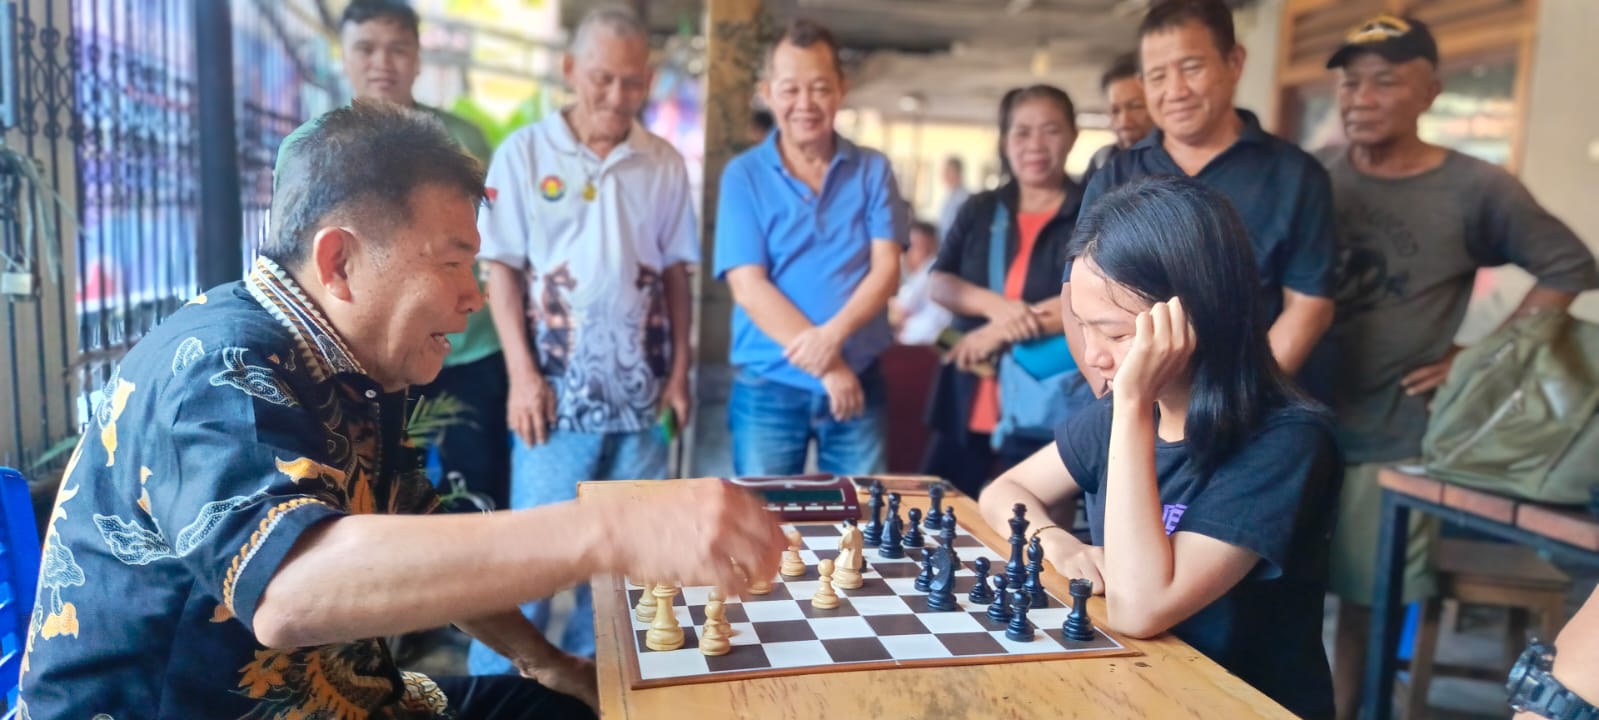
(1050, 527)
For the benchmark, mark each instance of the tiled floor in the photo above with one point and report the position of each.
(1477, 640)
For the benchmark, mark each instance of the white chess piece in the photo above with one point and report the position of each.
(847, 572)
(665, 633)
(645, 611)
(713, 640)
(825, 598)
(793, 565)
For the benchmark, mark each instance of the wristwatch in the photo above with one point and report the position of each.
(1532, 689)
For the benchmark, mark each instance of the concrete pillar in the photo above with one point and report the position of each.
(734, 58)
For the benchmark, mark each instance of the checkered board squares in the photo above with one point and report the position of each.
(884, 623)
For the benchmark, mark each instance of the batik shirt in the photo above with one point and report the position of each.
(594, 239)
(236, 425)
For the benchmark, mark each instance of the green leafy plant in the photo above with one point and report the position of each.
(432, 417)
(54, 452)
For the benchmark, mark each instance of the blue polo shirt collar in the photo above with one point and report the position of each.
(843, 151)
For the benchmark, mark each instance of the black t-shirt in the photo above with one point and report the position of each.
(1273, 497)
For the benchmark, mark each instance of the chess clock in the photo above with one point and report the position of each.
(806, 498)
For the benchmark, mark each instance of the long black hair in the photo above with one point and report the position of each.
(1014, 98)
(1162, 237)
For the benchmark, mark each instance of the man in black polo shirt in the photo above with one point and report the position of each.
(1191, 63)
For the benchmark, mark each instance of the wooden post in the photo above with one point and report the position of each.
(733, 50)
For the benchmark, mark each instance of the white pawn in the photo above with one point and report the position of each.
(665, 633)
(720, 618)
(825, 598)
(793, 565)
(713, 641)
(645, 611)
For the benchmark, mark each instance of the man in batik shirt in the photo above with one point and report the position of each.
(239, 526)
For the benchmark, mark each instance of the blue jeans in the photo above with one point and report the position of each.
(548, 474)
(773, 425)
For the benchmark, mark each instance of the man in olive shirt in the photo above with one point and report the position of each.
(1415, 222)
(382, 57)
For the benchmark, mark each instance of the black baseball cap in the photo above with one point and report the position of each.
(1396, 39)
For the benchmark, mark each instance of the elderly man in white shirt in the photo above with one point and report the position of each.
(589, 234)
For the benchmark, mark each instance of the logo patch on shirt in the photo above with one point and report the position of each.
(1171, 515)
(552, 188)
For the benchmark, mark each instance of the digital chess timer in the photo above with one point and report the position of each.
(806, 498)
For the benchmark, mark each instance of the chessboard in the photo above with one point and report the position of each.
(884, 623)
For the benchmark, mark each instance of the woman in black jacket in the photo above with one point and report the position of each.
(1036, 210)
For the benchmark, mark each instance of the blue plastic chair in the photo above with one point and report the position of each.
(19, 579)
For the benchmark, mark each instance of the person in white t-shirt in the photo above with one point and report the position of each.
(589, 234)
(916, 318)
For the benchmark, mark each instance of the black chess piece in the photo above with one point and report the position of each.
(893, 505)
(913, 533)
(1016, 569)
(941, 591)
(872, 534)
(980, 594)
(946, 529)
(925, 577)
(935, 516)
(890, 547)
(997, 610)
(1078, 625)
(1035, 569)
(1019, 628)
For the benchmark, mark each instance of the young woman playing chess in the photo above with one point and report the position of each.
(1207, 477)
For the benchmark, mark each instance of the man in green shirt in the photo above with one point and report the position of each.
(382, 58)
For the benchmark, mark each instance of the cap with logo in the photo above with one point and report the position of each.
(1396, 39)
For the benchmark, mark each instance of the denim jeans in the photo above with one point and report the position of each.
(774, 424)
(548, 474)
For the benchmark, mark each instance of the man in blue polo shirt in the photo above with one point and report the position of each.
(809, 230)
(1191, 62)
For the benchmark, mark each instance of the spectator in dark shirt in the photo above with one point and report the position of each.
(1191, 63)
(1415, 223)
(1129, 114)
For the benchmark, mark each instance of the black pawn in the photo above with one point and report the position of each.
(924, 580)
(946, 529)
(997, 611)
(890, 547)
(980, 594)
(872, 534)
(1078, 625)
(1019, 628)
(1035, 569)
(1016, 568)
(935, 516)
(913, 536)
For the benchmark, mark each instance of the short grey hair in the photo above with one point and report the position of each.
(619, 21)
